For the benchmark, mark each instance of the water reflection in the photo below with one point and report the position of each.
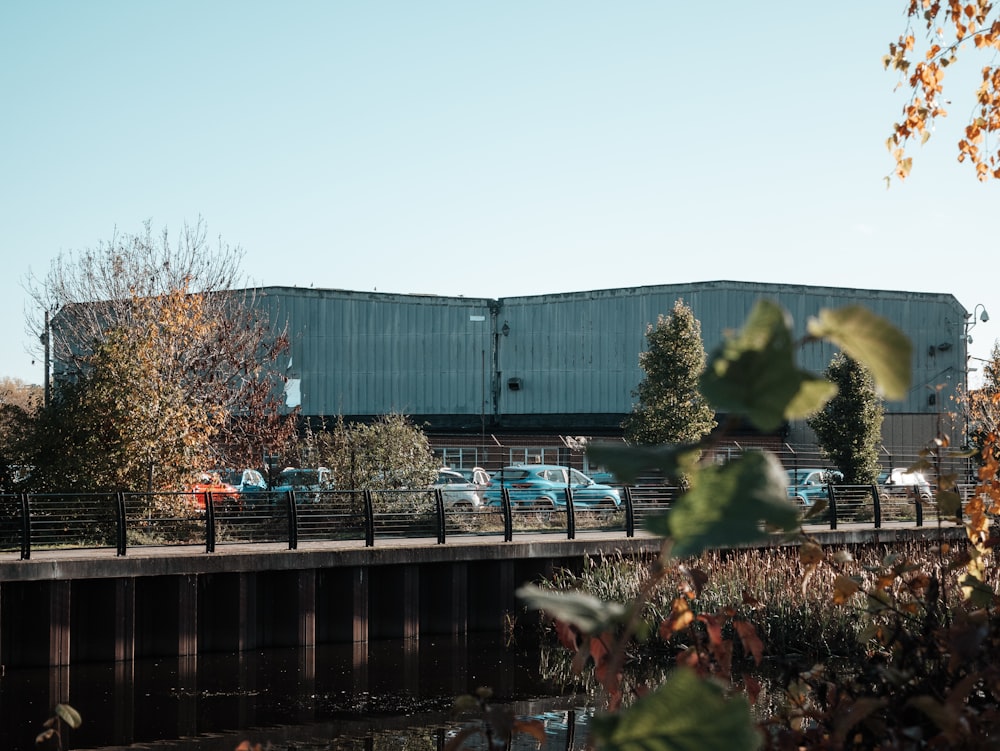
(379, 691)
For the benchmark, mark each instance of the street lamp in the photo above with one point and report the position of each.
(971, 320)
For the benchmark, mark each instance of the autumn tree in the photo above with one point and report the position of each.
(983, 405)
(849, 427)
(19, 402)
(935, 34)
(163, 369)
(671, 409)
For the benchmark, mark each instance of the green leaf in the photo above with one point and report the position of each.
(684, 713)
(753, 373)
(978, 593)
(628, 462)
(70, 716)
(588, 613)
(729, 505)
(872, 341)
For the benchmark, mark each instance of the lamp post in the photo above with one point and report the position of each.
(971, 319)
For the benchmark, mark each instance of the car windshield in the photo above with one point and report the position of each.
(799, 476)
(299, 477)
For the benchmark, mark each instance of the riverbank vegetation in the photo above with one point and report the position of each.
(890, 651)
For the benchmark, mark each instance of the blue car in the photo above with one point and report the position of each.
(543, 487)
(806, 486)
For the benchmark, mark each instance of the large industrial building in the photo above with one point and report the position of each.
(484, 375)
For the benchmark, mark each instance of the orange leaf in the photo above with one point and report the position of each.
(680, 618)
(534, 728)
(843, 588)
(751, 642)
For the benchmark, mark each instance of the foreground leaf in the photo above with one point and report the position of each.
(753, 373)
(70, 716)
(684, 713)
(588, 613)
(872, 341)
(628, 462)
(729, 505)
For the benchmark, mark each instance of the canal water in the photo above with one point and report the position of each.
(391, 694)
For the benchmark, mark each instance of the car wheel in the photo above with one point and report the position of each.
(544, 508)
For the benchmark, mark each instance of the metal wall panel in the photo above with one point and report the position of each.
(359, 353)
(579, 352)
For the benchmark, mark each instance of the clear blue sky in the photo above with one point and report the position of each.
(483, 149)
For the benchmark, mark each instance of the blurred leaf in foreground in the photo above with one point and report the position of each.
(728, 505)
(753, 373)
(872, 341)
(588, 613)
(682, 714)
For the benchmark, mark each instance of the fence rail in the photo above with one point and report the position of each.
(127, 521)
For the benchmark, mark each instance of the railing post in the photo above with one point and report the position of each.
(439, 509)
(508, 519)
(920, 509)
(25, 527)
(878, 506)
(369, 519)
(570, 515)
(629, 513)
(293, 520)
(121, 533)
(832, 495)
(209, 522)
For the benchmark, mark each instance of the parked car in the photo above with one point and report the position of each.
(210, 482)
(543, 486)
(476, 475)
(246, 481)
(305, 483)
(457, 492)
(806, 486)
(900, 482)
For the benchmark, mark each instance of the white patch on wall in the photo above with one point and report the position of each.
(293, 392)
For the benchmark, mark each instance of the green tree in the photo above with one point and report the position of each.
(671, 408)
(849, 427)
(168, 373)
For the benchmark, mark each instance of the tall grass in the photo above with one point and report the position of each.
(794, 613)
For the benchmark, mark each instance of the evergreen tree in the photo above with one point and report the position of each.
(849, 427)
(671, 409)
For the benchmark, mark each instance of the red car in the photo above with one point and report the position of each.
(222, 492)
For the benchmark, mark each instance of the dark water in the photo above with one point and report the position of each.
(395, 693)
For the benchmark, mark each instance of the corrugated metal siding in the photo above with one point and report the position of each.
(578, 352)
(574, 353)
(359, 353)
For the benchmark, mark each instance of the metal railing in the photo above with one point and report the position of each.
(126, 521)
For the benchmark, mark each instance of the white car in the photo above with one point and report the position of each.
(457, 492)
(900, 482)
(475, 475)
